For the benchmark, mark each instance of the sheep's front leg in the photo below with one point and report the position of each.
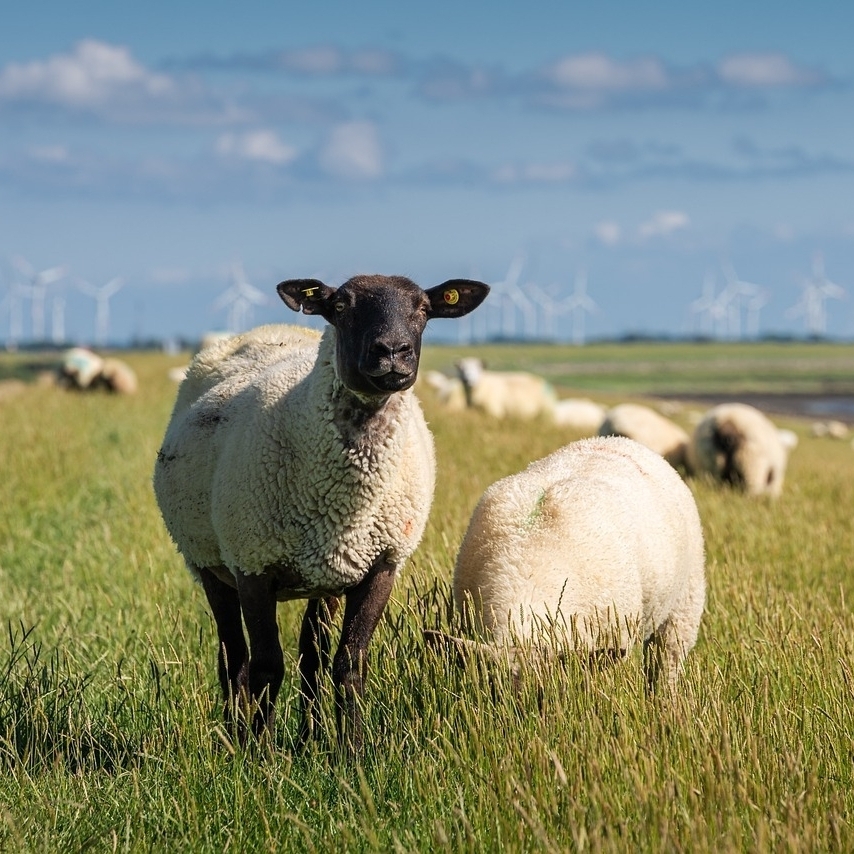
(233, 653)
(266, 661)
(314, 645)
(365, 604)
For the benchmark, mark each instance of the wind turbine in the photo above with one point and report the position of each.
(816, 290)
(577, 304)
(102, 298)
(239, 297)
(510, 299)
(36, 290)
(706, 308)
(741, 293)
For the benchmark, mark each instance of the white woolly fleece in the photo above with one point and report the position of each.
(650, 428)
(256, 474)
(602, 537)
(760, 456)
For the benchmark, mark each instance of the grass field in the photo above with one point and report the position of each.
(110, 738)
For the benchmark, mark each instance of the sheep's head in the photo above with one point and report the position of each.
(379, 322)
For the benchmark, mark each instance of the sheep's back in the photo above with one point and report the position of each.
(601, 526)
(648, 427)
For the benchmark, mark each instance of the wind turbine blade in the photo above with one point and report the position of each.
(23, 266)
(51, 275)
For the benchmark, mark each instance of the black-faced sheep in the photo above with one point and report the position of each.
(593, 548)
(645, 425)
(737, 444)
(299, 466)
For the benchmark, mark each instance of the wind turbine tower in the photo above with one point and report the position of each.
(577, 305)
(102, 298)
(816, 290)
(36, 290)
(239, 297)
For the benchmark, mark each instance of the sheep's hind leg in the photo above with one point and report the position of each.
(233, 653)
(266, 667)
(314, 646)
(365, 604)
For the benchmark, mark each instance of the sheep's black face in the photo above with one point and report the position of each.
(380, 321)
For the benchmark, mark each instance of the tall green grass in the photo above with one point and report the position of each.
(110, 737)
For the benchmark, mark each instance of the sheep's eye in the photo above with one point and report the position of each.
(340, 306)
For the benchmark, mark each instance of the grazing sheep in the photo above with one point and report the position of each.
(595, 547)
(579, 414)
(505, 394)
(648, 427)
(117, 377)
(448, 392)
(79, 368)
(299, 466)
(737, 444)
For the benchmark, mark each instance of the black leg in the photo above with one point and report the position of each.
(365, 604)
(233, 653)
(266, 661)
(314, 645)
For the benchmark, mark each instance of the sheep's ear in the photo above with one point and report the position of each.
(456, 297)
(310, 295)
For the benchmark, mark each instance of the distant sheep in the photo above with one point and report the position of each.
(79, 368)
(583, 415)
(83, 370)
(448, 392)
(595, 547)
(505, 394)
(650, 428)
(832, 429)
(118, 377)
(737, 444)
(299, 466)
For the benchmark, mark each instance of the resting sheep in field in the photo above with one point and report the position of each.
(505, 394)
(645, 425)
(299, 466)
(594, 547)
(737, 444)
(579, 413)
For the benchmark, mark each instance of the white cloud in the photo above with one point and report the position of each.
(663, 224)
(598, 72)
(534, 173)
(314, 60)
(608, 232)
(92, 74)
(258, 145)
(758, 70)
(353, 151)
(50, 153)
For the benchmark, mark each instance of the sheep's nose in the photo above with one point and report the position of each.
(384, 350)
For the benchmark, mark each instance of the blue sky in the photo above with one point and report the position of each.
(655, 149)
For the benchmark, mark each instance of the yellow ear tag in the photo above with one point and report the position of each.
(452, 297)
(308, 293)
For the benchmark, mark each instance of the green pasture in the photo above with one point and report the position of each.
(110, 736)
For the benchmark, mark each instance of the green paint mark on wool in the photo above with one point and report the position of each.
(536, 512)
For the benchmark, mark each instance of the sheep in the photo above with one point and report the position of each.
(505, 394)
(116, 376)
(595, 547)
(737, 444)
(579, 414)
(648, 427)
(299, 466)
(79, 368)
(448, 392)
